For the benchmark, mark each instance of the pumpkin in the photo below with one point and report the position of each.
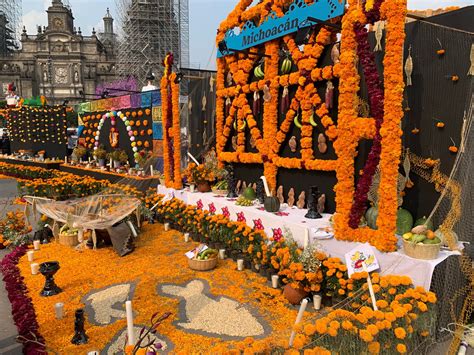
(404, 221)
(134, 114)
(271, 204)
(424, 221)
(249, 194)
(371, 217)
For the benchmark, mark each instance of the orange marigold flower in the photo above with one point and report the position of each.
(374, 347)
(400, 333)
(401, 348)
(365, 335)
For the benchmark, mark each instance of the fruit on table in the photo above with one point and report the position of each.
(404, 221)
(249, 193)
(243, 201)
(424, 221)
(207, 254)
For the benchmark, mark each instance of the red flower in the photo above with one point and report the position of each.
(225, 212)
(277, 234)
(257, 224)
(212, 208)
(199, 205)
(241, 217)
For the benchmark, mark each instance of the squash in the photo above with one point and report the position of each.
(371, 217)
(404, 221)
(271, 204)
(423, 221)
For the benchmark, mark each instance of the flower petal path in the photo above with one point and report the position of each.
(158, 259)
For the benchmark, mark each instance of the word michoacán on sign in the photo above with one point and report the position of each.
(275, 27)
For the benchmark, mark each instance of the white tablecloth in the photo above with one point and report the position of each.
(398, 263)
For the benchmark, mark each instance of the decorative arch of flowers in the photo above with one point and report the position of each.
(171, 125)
(113, 115)
(234, 111)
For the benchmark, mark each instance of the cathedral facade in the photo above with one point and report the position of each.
(60, 62)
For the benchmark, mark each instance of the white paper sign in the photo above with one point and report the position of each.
(364, 253)
(192, 253)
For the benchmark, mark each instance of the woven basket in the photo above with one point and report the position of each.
(202, 265)
(69, 240)
(421, 251)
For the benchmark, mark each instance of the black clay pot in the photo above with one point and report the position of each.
(234, 254)
(80, 336)
(48, 269)
(327, 301)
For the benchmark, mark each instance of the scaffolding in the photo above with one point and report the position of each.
(11, 10)
(149, 29)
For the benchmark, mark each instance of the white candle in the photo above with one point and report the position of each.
(265, 185)
(317, 302)
(111, 163)
(240, 264)
(31, 255)
(65, 159)
(275, 281)
(222, 254)
(80, 160)
(36, 244)
(59, 310)
(80, 235)
(34, 268)
(167, 227)
(186, 237)
(191, 188)
(193, 158)
(151, 170)
(371, 288)
(299, 318)
(130, 330)
(306, 238)
(89, 160)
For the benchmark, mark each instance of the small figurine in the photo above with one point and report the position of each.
(321, 203)
(291, 197)
(237, 188)
(231, 184)
(301, 200)
(322, 146)
(293, 144)
(280, 194)
(234, 142)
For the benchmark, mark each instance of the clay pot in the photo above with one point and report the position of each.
(294, 296)
(204, 186)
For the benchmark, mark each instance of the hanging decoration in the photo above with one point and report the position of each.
(378, 29)
(409, 67)
(171, 126)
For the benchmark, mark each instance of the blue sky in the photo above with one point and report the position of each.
(204, 18)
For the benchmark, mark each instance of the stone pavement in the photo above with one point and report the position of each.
(8, 331)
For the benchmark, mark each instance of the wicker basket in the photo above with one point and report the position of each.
(421, 251)
(203, 265)
(69, 240)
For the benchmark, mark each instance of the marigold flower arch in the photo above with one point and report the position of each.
(232, 104)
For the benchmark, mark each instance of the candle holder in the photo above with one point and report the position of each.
(48, 269)
(80, 336)
(312, 204)
(260, 192)
(231, 183)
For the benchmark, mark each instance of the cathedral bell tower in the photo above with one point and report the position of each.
(60, 18)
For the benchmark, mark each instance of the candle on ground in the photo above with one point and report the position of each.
(59, 310)
(317, 302)
(130, 330)
(34, 268)
(36, 244)
(306, 238)
(240, 264)
(65, 159)
(299, 318)
(222, 254)
(186, 237)
(151, 170)
(167, 227)
(31, 255)
(275, 281)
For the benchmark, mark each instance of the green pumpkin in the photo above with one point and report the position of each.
(371, 217)
(404, 221)
(271, 204)
(249, 193)
(422, 221)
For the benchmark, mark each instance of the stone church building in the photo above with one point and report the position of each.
(60, 62)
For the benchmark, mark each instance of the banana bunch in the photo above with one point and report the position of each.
(258, 72)
(242, 201)
(298, 123)
(286, 66)
(241, 128)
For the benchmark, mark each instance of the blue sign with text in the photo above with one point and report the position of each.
(275, 27)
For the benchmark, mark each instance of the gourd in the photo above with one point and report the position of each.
(423, 221)
(371, 217)
(271, 204)
(404, 221)
(249, 193)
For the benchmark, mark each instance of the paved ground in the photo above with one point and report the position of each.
(8, 332)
